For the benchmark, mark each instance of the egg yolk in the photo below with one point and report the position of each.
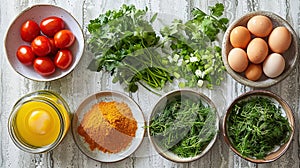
(39, 122)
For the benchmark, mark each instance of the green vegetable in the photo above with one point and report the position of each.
(184, 126)
(256, 126)
(125, 44)
(124, 33)
(194, 49)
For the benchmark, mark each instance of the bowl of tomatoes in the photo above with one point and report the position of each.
(44, 43)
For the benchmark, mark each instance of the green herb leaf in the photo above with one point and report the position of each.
(184, 126)
(256, 127)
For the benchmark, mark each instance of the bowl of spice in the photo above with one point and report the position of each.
(108, 126)
(259, 126)
(183, 125)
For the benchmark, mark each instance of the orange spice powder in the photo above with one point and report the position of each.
(108, 126)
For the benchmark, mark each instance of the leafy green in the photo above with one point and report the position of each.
(125, 44)
(256, 126)
(194, 49)
(184, 126)
(125, 33)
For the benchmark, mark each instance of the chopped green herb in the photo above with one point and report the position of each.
(184, 126)
(125, 44)
(194, 49)
(256, 126)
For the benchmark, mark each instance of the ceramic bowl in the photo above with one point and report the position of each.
(38, 12)
(286, 112)
(290, 56)
(86, 105)
(183, 95)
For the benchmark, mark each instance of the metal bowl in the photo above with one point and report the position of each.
(13, 40)
(290, 56)
(286, 111)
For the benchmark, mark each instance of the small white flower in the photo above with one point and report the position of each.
(187, 61)
(179, 62)
(198, 73)
(200, 83)
(194, 59)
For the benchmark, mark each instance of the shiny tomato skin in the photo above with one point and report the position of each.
(51, 25)
(63, 59)
(41, 46)
(64, 39)
(54, 49)
(29, 30)
(44, 66)
(25, 55)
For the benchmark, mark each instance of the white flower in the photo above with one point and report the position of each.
(194, 59)
(200, 83)
(198, 73)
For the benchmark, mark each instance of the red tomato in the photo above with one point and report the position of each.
(41, 46)
(63, 59)
(44, 66)
(64, 39)
(54, 49)
(51, 25)
(29, 30)
(25, 55)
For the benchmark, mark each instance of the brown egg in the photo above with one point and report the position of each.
(257, 50)
(237, 59)
(280, 39)
(240, 37)
(260, 26)
(253, 72)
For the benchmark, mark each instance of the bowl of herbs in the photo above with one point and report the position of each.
(259, 126)
(183, 125)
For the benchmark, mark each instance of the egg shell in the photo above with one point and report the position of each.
(274, 65)
(238, 60)
(254, 72)
(257, 50)
(280, 39)
(260, 25)
(240, 37)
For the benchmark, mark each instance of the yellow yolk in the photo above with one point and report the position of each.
(39, 122)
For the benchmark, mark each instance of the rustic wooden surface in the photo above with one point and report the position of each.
(82, 82)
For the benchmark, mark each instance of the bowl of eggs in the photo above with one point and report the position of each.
(260, 49)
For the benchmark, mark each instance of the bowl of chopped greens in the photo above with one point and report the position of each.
(183, 125)
(259, 126)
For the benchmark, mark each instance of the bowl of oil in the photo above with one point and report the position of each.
(39, 121)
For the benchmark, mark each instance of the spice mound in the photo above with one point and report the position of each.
(108, 126)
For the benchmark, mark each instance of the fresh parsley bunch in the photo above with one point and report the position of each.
(122, 42)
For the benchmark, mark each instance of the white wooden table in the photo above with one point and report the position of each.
(82, 82)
